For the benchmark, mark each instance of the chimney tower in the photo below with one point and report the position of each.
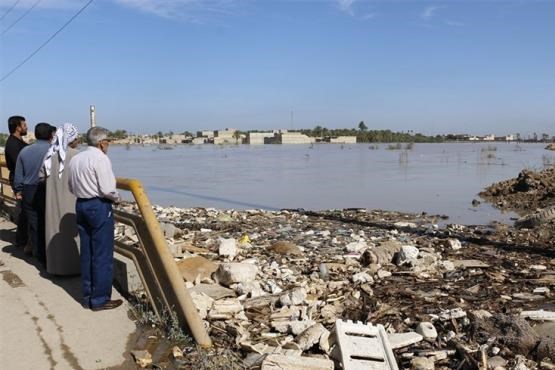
(92, 112)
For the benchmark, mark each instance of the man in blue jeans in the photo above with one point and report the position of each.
(92, 181)
(29, 188)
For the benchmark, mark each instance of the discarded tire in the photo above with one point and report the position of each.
(536, 219)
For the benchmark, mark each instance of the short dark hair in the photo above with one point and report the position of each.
(14, 122)
(43, 131)
(52, 131)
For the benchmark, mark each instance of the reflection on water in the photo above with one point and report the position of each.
(435, 178)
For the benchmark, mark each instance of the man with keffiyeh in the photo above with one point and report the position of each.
(61, 233)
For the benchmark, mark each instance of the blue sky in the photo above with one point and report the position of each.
(150, 65)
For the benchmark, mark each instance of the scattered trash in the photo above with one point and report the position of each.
(271, 286)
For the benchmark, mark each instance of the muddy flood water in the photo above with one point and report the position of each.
(435, 178)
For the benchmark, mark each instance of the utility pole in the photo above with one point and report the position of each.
(92, 116)
(291, 120)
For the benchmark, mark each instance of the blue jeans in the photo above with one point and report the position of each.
(22, 233)
(34, 197)
(96, 231)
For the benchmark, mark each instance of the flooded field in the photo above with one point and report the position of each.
(435, 178)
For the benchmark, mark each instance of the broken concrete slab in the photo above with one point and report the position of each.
(225, 309)
(407, 255)
(422, 363)
(311, 336)
(466, 264)
(454, 244)
(228, 248)
(293, 297)
(539, 315)
(400, 340)
(281, 362)
(236, 272)
(214, 291)
(294, 327)
(202, 302)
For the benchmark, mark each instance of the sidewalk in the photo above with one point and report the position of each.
(43, 325)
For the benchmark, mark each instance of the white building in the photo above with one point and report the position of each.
(255, 138)
(205, 133)
(199, 140)
(226, 136)
(343, 140)
(293, 138)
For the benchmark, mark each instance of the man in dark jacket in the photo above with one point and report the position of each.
(18, 128)
(29, 187)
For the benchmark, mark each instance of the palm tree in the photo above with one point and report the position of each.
(237, 136)
(362, 126)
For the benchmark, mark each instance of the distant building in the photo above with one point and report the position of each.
(255, 138)
(489, 137)
(30, 137)
(174, 139)
(225, 136)
(474, 138)
(292, 138)
(199, 140)
(228, 132)
(205, 133)
(342, 140)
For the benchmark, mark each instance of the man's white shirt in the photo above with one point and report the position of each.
(90, 175)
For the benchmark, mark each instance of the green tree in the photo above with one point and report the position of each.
(3, 139)
(237, 136)
(317, 131)
(118, 134)
(362, 127)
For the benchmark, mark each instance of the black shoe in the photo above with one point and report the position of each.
(108, 305)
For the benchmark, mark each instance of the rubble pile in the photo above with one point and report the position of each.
(271, 285)
(526, 193)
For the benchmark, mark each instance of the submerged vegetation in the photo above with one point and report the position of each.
(373, 136)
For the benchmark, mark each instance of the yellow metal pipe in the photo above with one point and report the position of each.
(186, 307)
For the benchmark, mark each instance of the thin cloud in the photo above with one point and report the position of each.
(346, 6)
(191, 9)
(429, 12)
(369, 16)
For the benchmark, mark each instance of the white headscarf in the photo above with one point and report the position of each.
(63, 137)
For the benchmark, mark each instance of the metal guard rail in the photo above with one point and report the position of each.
(157, 270)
